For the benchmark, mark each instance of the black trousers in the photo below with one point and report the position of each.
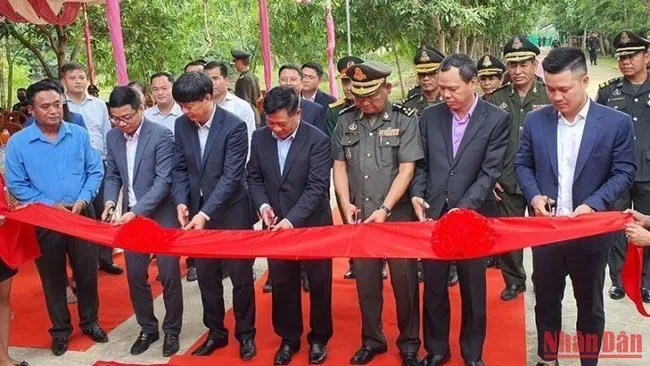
(137, 274)
(512, 264)
(51, 267)
(286, 299)
(593, 57)
(639, 197)
(551, 265)
(105, 254)
(243, 294)
(436, 312)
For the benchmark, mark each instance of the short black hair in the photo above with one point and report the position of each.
(281, 97)
(465, 65)
(192, 87)
(565, 58)
(124, 95)
(223, 69)
(57, 83)
(21, 89)
(290, 67)
(169, 76)
(71, 66)
(41, 86)
(201, 63)
(314, 66)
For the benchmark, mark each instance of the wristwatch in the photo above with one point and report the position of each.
(386, 209)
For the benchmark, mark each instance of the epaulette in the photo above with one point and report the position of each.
(610, 81)
(407, 111)
(337, 103)
(411, 97)
(348, 109)
(501, 87)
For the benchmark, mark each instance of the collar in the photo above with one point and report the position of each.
(313, 97)
(290, 138)
(88, 98)
(208, 124)
(581, 116)
(175, 111)
(35, 133)
(470, 112)
(136, 134)
(229, 96)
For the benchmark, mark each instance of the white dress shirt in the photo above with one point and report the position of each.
(243, 110)
(95, 115)
(204, 131)
(569, 137)
(168, 120)
(131, 148)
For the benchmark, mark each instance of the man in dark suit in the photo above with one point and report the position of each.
(209, 183)
(312, 113)
(312, 76)
(139, 159)
(464, 142)
(577, 156)
(289, 180)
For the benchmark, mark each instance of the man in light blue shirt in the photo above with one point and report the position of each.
(52, 162)
(166, 109)
(95, 115)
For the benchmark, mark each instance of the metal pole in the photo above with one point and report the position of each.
(347, 20)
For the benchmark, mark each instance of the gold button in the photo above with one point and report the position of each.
(387, 142)
(370, 134)
(521, 128)
(349, 142)
(636, 99)
(367, 199)
(365, 177)
(634, 119)
(521, 110)
(368, 154)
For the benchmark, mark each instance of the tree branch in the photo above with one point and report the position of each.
(30, 47)
(47, 34)
(76, 49)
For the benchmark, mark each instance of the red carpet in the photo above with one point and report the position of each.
(30, 324)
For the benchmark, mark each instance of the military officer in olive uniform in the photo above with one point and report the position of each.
(247, 86)
(332, 114)
(426, 60)
(630, 94)
(490, 74)
(375, 146)
(523, 94)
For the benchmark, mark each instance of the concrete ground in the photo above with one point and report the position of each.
(621, 315)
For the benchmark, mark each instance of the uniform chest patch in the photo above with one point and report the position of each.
(389, 132)
(503, 105)
(617, 99)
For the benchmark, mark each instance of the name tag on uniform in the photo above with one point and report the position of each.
(538, 106)
(351, 133)
(615, 99)
(389, 132)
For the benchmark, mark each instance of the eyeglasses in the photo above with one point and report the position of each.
(125, 119)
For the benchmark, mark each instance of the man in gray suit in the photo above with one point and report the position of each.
(464, 141)
(139, 160)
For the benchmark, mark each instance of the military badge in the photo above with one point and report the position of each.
(359, 75)
(350, 64)
(386, 116)
(389, 132)
(625, 39)
(503, 105)
(348, 153)
(616, 92)
(648, 104)
(424, 57)
(516, 43)
(352, 127)
(487, 62)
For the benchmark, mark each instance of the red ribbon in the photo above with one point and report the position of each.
(387, 240)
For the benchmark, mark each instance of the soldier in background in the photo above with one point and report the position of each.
(490, 74)
(630, 94)
(247, 86)
(426, 60)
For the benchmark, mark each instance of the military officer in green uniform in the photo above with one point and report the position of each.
(332, 114)
(630, 94)
(490, 74)
(375, 146)
(426, 60)
(247, 86)
(523, 94)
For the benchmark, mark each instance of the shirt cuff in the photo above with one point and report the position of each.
(263, 206)
(111, 202)
(206, 217)
(289, 222)
(85, 196)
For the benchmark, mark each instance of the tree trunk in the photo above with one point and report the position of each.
(440, 33)
(455, 40)
(584, 40)
(10, 72)
(14, 33)
(399, 74)
(471, 46)
(463, 44)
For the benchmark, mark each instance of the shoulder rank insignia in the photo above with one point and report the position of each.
(337, 103)
(405, 110)
(610, 81)
(347, 109)
(503, 105)
(413, 96)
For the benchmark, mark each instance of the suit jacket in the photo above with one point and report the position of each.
(312, 113)
(152, 180)
(466, 180)
(301, 193)
(605, 168)
(216, 183)
(324, 99)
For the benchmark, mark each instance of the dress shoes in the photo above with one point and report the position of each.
(191, 274)
(247, 349)
(349, 275)
(557, 363)
(384, 273)
(209, 346)
(511, 292)
(616, 292)
(22, 363)
(490, 262)
(435, 360)
(112, 268)
(317, 353)
(366, 354)
(96, 333)
(410, 359)
(171, 344)
(59, 346)
(267, 288)
(143, 342)
(453, 279)
(305, 285)
(475, 363)
(645, 295)
(285, 353)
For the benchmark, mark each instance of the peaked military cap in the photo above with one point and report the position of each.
(240, 55)
(345, 63)
(367, 78)
(490, 65)
(519, 49)
(629, 43)
(427, 59)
